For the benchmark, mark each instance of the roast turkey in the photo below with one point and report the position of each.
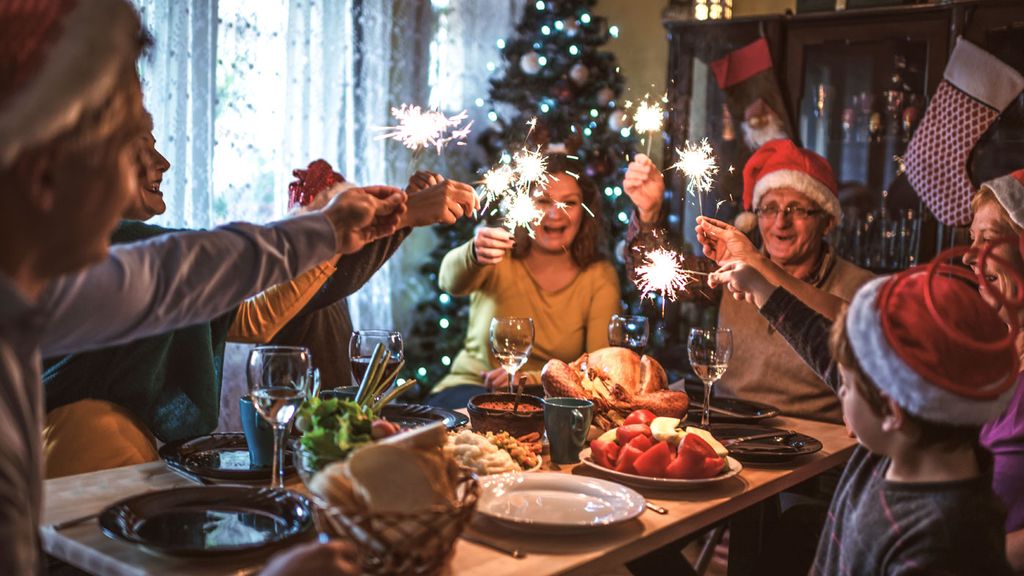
(618, 381)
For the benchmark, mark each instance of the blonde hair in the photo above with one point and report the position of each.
(986, 196)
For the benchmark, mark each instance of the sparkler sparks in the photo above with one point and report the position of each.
(419, 128)
(698, 162)
(662, 272)
(531, 168)
(521, 211)
(648, 117)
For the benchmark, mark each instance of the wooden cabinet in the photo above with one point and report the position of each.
(855, 83)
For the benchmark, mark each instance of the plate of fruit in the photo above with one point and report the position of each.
(656, 452)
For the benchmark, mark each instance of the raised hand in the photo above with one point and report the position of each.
(645, 186)
(433, 200)
(491, 244)
(743, 281)
(723, 242)
(362, 215)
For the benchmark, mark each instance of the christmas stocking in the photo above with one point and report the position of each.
(752, 93)
(976, 86)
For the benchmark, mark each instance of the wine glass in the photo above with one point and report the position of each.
(628, 332)
(362, 344)
(511, 343)
(278, 383)
(710, 350)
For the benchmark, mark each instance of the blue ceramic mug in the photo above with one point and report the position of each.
(259, 435)
(567, 421)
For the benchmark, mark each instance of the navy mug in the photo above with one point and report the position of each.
(567, 421)
(259, 434)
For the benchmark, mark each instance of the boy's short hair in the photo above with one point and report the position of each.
(929, 433)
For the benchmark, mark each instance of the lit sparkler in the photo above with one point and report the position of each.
(647, 118)
(419, 128)
(662, 272)
(521, 211)
(697, 162)
(531, 168)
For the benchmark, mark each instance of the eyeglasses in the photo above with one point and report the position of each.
(797, 212)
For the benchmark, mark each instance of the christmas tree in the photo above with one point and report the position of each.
(555, 72)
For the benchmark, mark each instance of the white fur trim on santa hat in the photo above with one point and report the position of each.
(1009, 192)
(897, 380)
(77, 74)
(802, 182)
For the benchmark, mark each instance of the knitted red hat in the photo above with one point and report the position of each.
(315, 186)
(930, 342)
(1009, 191)
(781, 164)
(58, 59)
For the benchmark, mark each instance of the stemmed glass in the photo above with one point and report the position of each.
(710, 350)
(278, 383)
(511, 343)
(362, 343)
(628, 332)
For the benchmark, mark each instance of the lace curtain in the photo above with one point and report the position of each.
(243, 92)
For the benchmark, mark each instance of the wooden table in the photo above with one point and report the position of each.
(85, 547)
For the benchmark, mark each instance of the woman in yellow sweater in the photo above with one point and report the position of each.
(562, 279)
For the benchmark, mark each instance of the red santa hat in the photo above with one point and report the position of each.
(930, 342)
(315, 187)
(58, 60)
(781, 164)
(1009, 191)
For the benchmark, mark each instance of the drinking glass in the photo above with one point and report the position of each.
(628, 332)
(709, 350)
(362, 343)
(511, 343)
(278, 383)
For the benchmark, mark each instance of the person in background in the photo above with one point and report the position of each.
(324, 325)
(998, 210)
(562, 279)
(793, 193)
(70, 117)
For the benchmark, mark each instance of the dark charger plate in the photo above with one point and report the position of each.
(209, 521)
(765, 450)
(219, 457)
(406, 415)
(729, 409)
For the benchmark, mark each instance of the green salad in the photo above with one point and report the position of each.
(333, 428)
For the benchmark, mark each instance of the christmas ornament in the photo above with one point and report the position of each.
(617, 120)
(529, 63)
(605, 95)
(746, 76)
(572, 28)
(975, 87)
(316, 178)
(562, 92)
(579, 74)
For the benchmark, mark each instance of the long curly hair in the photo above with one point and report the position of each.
(590, 244)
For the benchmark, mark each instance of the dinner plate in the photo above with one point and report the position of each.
(556, 503)
(730, 410)
(219, 457)
(209, 521)
(406, 415)
(662, 483)
(781, 448)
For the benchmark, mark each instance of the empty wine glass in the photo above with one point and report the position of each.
(362, 343)
(628, 332)
(710, 350)
(511, 343)
(278, 383)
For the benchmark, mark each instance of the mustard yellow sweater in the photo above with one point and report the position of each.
(566, 322)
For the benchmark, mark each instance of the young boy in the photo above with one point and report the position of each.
(916, 496)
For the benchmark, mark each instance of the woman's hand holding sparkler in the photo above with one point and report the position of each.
(491, 244)
(724, 243)
(743, 281)
(433, 200)
(645, 186)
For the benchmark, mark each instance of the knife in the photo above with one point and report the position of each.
(777, 434)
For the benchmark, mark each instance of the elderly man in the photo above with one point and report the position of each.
(793, 193)
(70, 115)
